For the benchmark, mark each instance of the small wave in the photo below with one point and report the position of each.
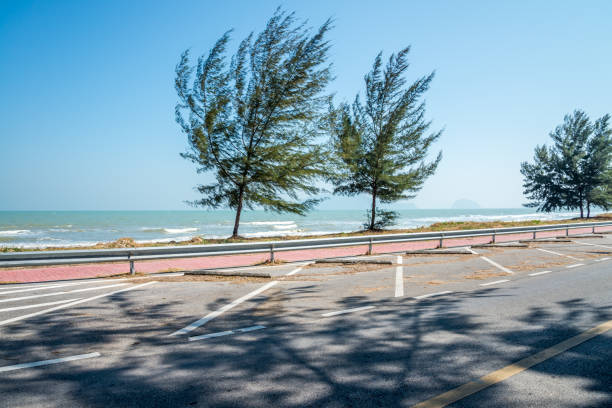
(270, 223)
(168, 230)
(285, 227)
(14, 232)
(179, 230)
(294, 233)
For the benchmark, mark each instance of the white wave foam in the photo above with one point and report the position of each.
(14, 232)
(269, 223)
(285, 227)
(179, 230)
(298, 233)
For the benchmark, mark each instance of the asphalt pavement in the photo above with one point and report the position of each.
(495, 327)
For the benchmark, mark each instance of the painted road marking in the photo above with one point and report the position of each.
(296, 270)
(48, 362)
(604, 259)
(30, 289)
(226, 333)
(61, 293)
(16, 319)
(495, 264)
(433, 294)
(399, 278)
(471, 250)
(574, 266)
(558, 254)
(493, 283)
(339, 312)
(229, 306)
(502, 374)
(39, 285)
(588, 243)
(8, 309)
(539, 273)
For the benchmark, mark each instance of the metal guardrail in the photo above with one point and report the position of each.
(79, 256)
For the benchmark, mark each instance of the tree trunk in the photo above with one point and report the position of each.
(373, 216)
(581, 210)
(238, 212)
(588, 210)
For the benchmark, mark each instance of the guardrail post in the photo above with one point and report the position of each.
(441, 239)
(493, 240)
(567, 231)
(534, 234)
(370, 247)
(132, 269)
(593, 230)
(272, 253)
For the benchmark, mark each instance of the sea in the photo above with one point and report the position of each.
(41, 229)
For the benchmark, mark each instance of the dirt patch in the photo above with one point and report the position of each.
(347, 269)
(436, 282)
(199, 278)
(365, 289)
(485, 274)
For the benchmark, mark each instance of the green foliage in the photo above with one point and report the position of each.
(575, 172)
(380, 146)
(254, 122)
(384, 219)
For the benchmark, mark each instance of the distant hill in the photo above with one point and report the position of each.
(465, 204)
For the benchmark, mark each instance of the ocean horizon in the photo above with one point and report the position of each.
(41, 229)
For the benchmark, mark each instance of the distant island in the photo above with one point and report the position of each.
(465, 204)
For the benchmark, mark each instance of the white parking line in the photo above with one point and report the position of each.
(339, 312)
(434, 294)
(57, 302)
(495, 264)
(399, 278)
(493, 283)
(229, 306)
(573, 266)
(16, 319)
(39, 285)
(539, 273)
(588, 243)
(60, 293)
(471, 250)
(226, 333)
(30, 289)
(48, 362)
(558, 254)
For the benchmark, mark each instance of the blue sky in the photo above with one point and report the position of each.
(86, 114)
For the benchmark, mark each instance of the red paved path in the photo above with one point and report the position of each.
(49, 273)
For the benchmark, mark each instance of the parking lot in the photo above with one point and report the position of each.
(380, 330)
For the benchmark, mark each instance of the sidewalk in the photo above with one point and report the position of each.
(65, 272)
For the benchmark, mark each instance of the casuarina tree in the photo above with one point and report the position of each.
(380, 145)
(254, 122)
(575, 172)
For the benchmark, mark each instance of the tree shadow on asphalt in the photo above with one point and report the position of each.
(397, 354)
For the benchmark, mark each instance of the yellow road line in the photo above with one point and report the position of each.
(502, 374)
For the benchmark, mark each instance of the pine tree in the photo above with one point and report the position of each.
(575, 172)
(380, 146)
(254, 122)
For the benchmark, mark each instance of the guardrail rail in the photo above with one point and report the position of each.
(79, 256)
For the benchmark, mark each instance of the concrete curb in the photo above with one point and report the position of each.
(212, 272)
(584, 236)
(545, 240)
(439, 252)
(519, 245)
(353, 261)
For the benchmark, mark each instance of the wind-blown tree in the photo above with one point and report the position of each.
(254, 122)
(575, 172)
(380, 145)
